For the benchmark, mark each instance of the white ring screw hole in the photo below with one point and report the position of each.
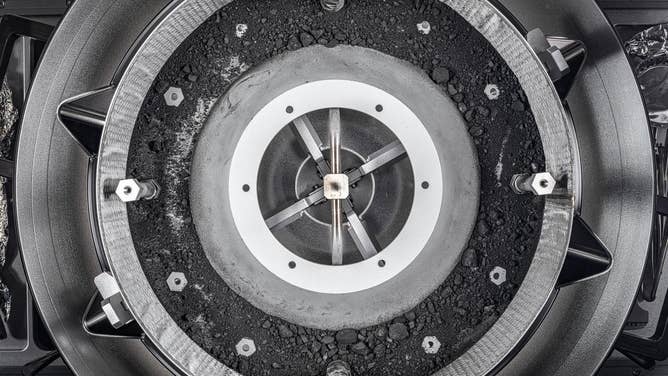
(541, 184)
(332, 5)
(246, 347)
(424, 27)
(241, 30)
(177, 281)
(174, 96)
(498, 276)
(131, 190)
(431, 345)
(492, 92)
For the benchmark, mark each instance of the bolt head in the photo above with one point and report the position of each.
(498, 276)
(174, 96)
(543, 184)
(336, 186)
(431, 345)
(129, 190)
(241, 30)
(424, 27)
(246, 347)
(177, 281)
(492, 92)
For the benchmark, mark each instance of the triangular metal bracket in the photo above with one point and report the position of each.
(84, 117)
(587, 256)
(562, 57)
(96, 323)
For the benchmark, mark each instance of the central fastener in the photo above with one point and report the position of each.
(336, 186)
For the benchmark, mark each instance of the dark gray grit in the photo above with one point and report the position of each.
(454, 55)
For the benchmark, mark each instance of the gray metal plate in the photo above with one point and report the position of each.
(51, 193)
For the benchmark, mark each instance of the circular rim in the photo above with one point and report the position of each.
(481, 357)
(417, 230)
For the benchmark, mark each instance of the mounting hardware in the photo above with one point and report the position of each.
(174, 96)
(131, 190)
(424, 27)
(492, 92)
(431, 345)
(332, 5)
(177, 281)
(541, 184)
(498, 276)
(241, 30)
(246, 347)
(336, 186)
(562, 57)
(338, 368)
(112, 301)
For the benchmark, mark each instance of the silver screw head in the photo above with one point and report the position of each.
(177, 281)
(498, 276)
(246, 347)
(492, 92)
(174, 96)
(424, 27)
(431, 345)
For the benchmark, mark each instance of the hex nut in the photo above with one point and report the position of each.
(540, 184)
(424, 27)
(246, 347)
(543, 184)
(174, 96)
(241, 30)
(492, 92)
(131, 190)
(431, 345)
(498, 276)
(177, 281)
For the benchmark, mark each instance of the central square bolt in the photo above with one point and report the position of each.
(336, 187)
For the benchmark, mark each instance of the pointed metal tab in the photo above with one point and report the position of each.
(84, 117)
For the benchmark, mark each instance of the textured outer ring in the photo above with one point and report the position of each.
(166, 334)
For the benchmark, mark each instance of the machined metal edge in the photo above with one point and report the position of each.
(483, 356)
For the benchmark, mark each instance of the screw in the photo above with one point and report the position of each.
(498, 276)
(431, 345)
(241, 30)
(131, 190)
(492, 91)
(338, 368)
(540, 184)
(246, 347)
(424, 27)
(332, 5)
(177, 281)
(174, 96)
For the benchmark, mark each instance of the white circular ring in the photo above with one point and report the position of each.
(245, 167)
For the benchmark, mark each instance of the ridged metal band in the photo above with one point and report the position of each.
(182, 351)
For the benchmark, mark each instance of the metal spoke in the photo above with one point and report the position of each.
(311, 141)
(381, 158)
(335, 164)
(365, 244)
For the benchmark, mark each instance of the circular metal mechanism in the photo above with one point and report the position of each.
(276, 271)
(222, 245)
(412, 136)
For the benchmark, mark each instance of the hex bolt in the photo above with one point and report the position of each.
(498, 276)
(241, 30)
(541, 184)
(332, 5)
(338, 368)
(131, 190)
(174, 96)
(431, 345)
(492, 92)
(424, 27)
(246, 347)
(177, 281)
